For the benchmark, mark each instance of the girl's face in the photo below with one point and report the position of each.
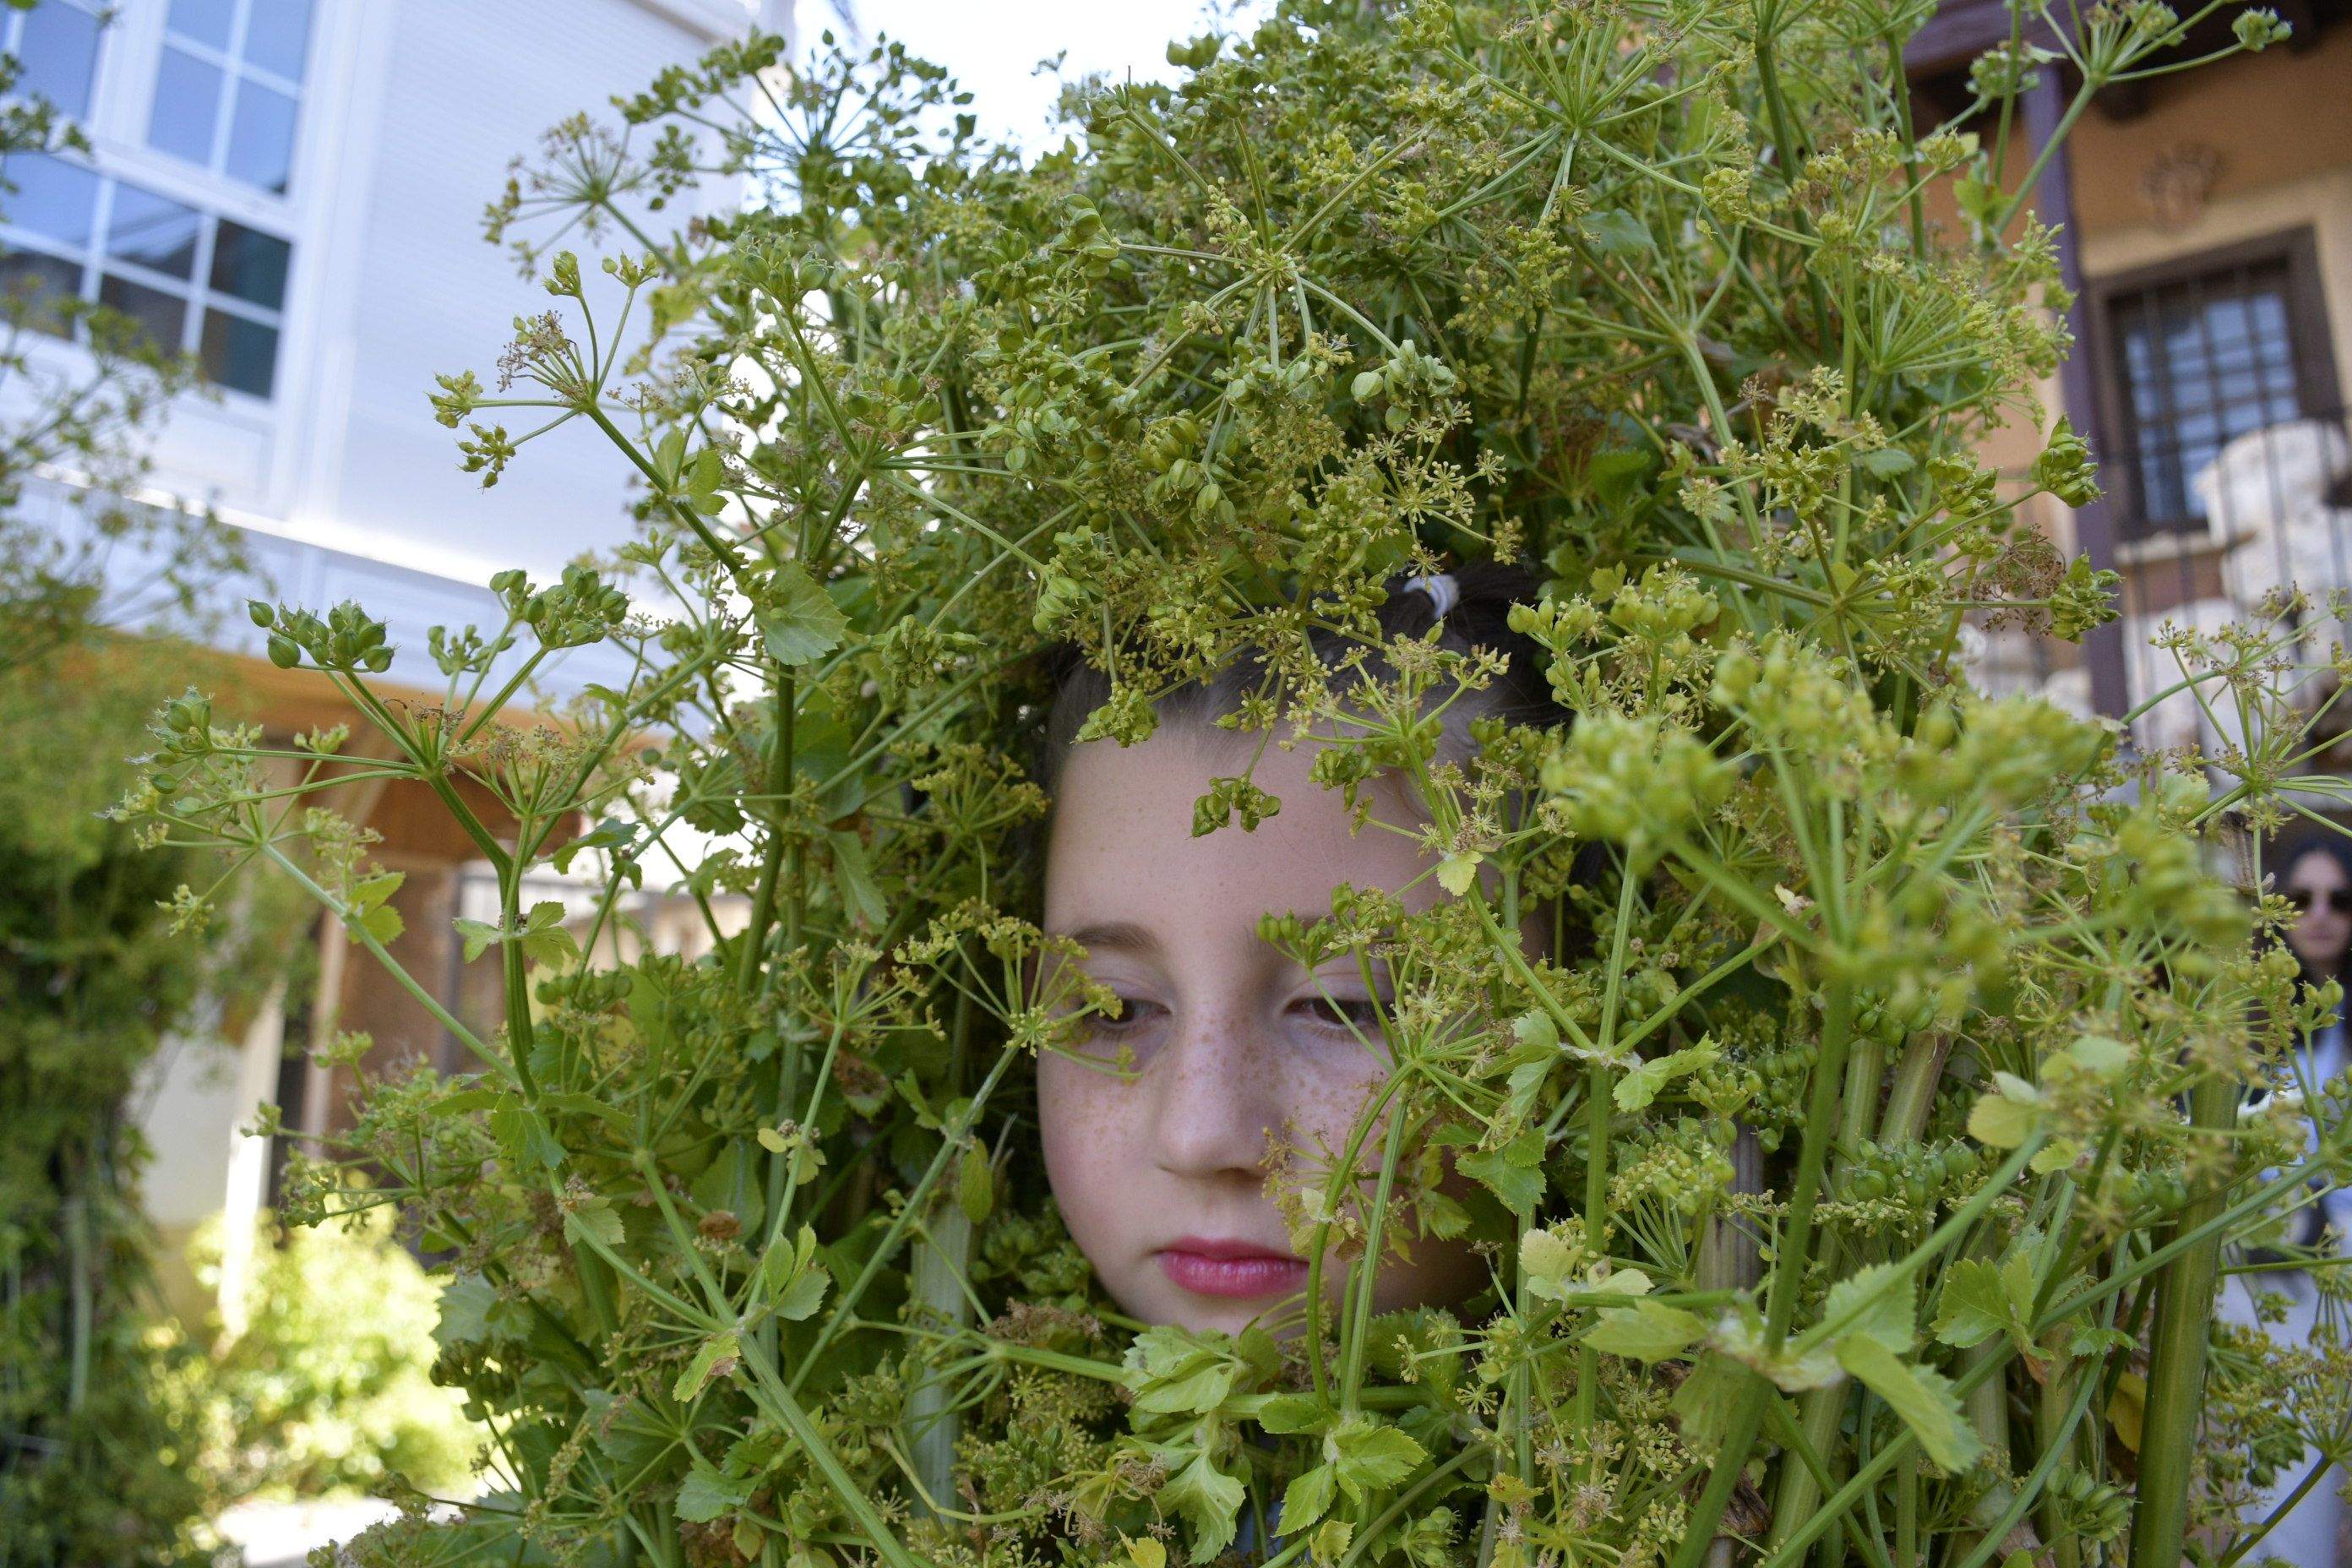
(2321, 933)
(1160, 1178)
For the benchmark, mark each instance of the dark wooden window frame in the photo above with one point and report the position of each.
(2316, 387)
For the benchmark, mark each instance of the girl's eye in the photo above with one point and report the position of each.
(1347, 1015)
(1133, 1013)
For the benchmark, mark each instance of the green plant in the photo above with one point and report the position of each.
(93, 1461)
(325, 1389)
(753, 1259)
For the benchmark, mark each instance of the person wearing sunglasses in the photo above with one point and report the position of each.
(2314, 872)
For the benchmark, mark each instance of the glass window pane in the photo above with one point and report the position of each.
(277, 36)
(249, 266)
(53, 198)
(161, 315)
(239, 353)
(187, 106)
(153, 231)
(59, 48)
(205, 21)
(261, 138)
(42, 279)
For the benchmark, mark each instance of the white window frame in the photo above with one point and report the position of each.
(232, 66)
(11, 37)
(130, 56)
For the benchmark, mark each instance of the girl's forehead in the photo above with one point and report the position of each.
(1122, 850)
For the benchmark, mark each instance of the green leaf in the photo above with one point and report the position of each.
(1615, 231)
(1642, 1081)
(525, 1135)
(1645, 1331)
(2003, 1118)
(478, 936)
(735, 1182)
(1198, 1391)
(1922, 1397)
(1887, 462)
(976, 1184)
(1980, 1299)
(1741, 1335)
(853, 874)
(2097, 1057)
(467, 1302)
(1614, 474)
(1999, 1122)
(1456, 873)
(1973, 1306)
(1536, 1028)
(1367, 1456)
(585, 1105)
(1702, 1406)
(1293, 1413)
(597, 1218)
(1511, 1171)
(803, 1295)
(718, 1352)
(543, 938)
(793, 1276)
(381, 921)
(706, 1495)
(1546, 1257)
(1889, 1313)
(1210, 1499)
(1306, 1500)
(1175, 1371)
(910, 1088)
(703, 478)
(373, 890)
(800, 624)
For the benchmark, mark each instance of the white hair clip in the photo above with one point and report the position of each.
(1442, 589)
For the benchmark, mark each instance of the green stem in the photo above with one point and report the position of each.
(769, 1391)
(1790, 1258)
(780, 778)
(2176, 1373)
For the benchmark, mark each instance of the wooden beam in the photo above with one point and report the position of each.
(1959, 31)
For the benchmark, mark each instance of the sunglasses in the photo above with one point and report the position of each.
(2339, 899)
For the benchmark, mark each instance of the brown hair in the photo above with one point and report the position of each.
(1479, 617)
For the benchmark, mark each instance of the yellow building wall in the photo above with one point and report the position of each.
(2278, 129)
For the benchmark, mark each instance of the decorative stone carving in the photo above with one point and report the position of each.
(2178, 180)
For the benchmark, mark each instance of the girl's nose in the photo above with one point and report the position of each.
(1215, 1095)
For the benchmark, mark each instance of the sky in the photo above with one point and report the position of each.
(993, 51)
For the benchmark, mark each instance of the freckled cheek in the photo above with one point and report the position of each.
(1089, 1125)
(1326, 1102)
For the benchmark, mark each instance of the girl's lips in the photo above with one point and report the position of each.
(1230, 1268)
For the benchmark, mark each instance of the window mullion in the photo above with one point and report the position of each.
(200, 283)
(102, 222)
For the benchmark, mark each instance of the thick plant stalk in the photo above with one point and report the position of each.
(941, 1260)
(2176, 1372)
(1732, 1260)
(1905, 1120)
(1788, 1265)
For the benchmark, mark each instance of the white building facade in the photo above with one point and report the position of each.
(292, 190)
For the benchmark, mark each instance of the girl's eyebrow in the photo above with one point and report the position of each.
(1121, 935)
